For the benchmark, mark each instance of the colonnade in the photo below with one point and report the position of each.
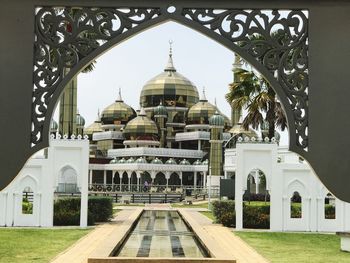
(199, 178)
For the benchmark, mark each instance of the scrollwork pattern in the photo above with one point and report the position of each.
(278, 40)
(63, 36)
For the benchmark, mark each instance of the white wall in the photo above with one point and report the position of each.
(41, 175)
(283, 178)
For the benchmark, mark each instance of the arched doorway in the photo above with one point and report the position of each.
(256, 205)
(67, 180)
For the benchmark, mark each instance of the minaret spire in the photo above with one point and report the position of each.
(170, 65)
(203, 97)
(119, 95)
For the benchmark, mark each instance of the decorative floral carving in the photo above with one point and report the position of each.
(64, 36)
(278, 40)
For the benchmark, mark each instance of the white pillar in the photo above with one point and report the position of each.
(195, 180)
(105, 177)
(180, 175)
(239, 209)
(204, 179)
(120, 180)
(113, 172)
(90, 176)
(153, 176)
(129, 180)
(199, 145)
(138, 177)
(167, 177)
(257, 181)
(225, 174)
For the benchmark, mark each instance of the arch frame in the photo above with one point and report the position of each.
(327, 97)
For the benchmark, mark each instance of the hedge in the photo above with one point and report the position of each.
(67, 211)
(254, 216)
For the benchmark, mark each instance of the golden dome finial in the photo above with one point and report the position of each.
(170, 65)
(170, 48)
(203, 97)
(119, 95)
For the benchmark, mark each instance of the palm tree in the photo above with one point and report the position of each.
(256, 95)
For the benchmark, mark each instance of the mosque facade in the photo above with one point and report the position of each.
(175, 139)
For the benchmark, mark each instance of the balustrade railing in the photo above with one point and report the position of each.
(160, 189)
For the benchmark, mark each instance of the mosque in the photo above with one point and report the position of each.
(175, 139)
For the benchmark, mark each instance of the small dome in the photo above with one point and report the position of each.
(197, 162)
(184, 162)
(160, 111)
(141, 128)
(118, 112)
(156, 161)
(217, 120)
(201, 111)
(141, 160)
(169, 87)
(94, 127)
(113, 161)
(130, 160)
(122, 160)
(205, 162)
(170, 161)
(80, 120)
(53, 126)
(238, 129)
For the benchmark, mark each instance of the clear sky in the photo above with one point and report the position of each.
(130, 64)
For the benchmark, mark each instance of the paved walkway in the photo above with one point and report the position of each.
(221, 239)
(81, 250)
(232, 244)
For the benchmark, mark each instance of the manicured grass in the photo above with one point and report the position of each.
(36, 245)
(131, 204)
(296, 247)
(208, 214)
(180, 205)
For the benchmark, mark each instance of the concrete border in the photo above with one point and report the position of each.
(111, 243)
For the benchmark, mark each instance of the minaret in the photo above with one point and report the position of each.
(160, 116)
(237, 68)
(216, 123)
(68, 108)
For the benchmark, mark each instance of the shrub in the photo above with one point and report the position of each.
(256, 216)
(329, 212)
(101, 208)
(224, 212)
(67, 211)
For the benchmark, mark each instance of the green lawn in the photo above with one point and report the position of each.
(35, 245)
(296, 247)
(208, 214)
(180, 205)
(130, 204)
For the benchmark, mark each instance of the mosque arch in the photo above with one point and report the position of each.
(259, 176)
(174, 179)
(116, 178)
(133, 179)
(18, 52)
(67, 179)
(28, 199)
(46, 95)
(160, 179)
